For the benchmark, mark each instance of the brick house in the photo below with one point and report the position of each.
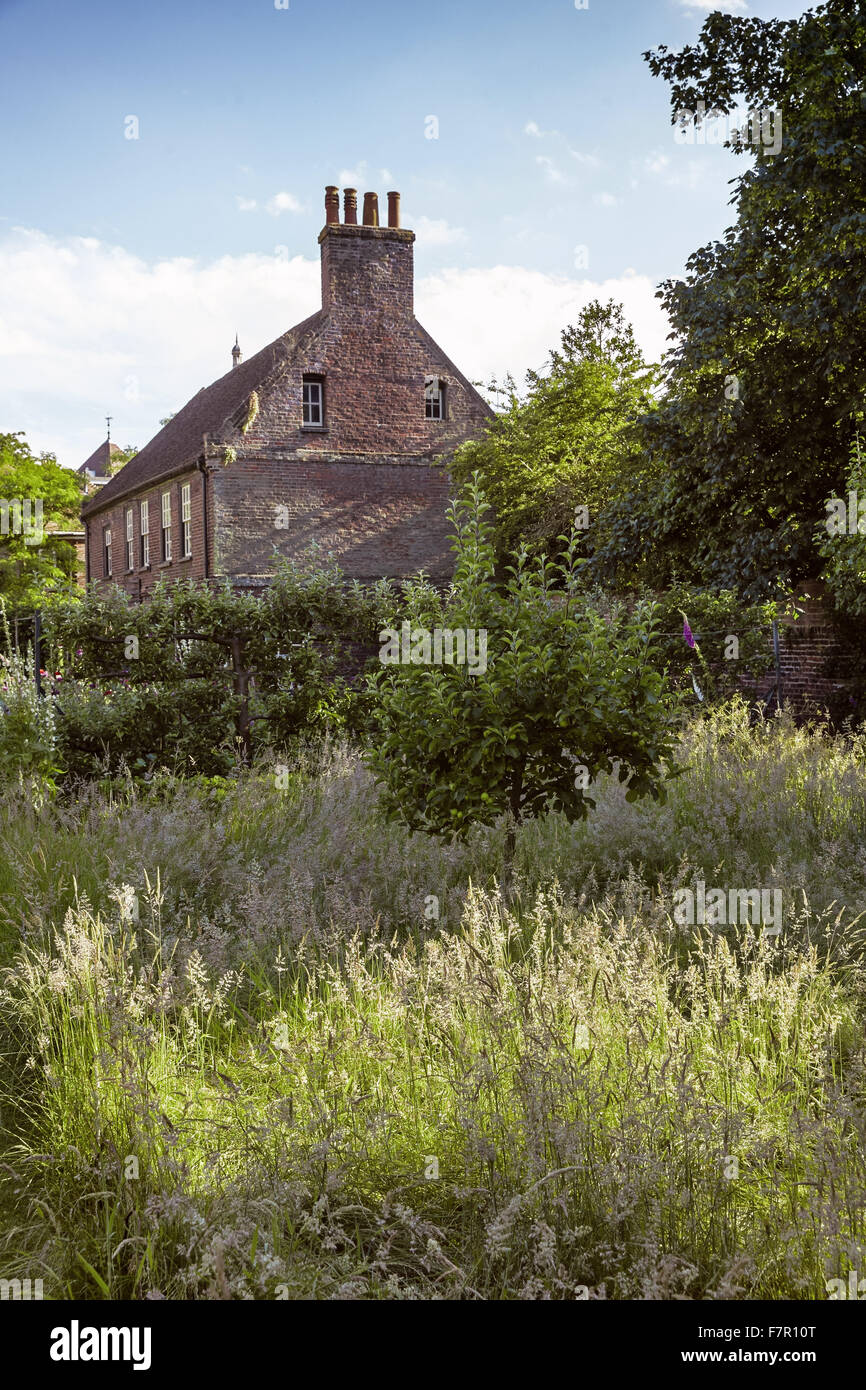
(332, 434)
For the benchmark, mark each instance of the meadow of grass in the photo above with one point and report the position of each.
(243, 1057)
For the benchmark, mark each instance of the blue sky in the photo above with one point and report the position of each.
(126, 265)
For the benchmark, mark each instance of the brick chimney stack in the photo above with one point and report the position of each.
(366, 269)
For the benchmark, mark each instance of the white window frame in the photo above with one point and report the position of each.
(144, 522)
(130, 540)
(106, 551)
(165, 516)
(186, 521)
(434, 398)
(313, 403)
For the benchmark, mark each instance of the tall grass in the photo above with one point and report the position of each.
(241, 1061)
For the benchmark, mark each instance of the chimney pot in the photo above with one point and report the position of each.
(371, 209)
(393, 209)
(332, 203)
(350, 205)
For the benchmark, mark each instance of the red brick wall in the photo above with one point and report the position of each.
(818, 663)
(366, 269)
(375, 519)
(138, 581)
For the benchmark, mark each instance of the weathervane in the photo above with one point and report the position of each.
(108, 420)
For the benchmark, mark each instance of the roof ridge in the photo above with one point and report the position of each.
(179, 443)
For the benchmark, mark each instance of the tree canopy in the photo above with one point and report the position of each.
(765, 382)
(568, 442)
(38, 496)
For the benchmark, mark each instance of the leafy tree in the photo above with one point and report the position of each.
(121, 458)
(568, 442)
(565, 695)
(841, 538)
(765, 381)
(38, 495)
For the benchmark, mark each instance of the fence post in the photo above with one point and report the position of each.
(241, 683)
(778, 662)
(37, 651)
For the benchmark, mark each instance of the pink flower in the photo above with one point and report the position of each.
(687, 634)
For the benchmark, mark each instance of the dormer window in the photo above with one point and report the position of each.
(434, 398)
(314, 402)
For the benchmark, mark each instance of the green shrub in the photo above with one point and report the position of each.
(28, 738)
(551, 695)
(195, 677)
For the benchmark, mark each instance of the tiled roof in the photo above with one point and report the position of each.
(99, 460)
(179, 443)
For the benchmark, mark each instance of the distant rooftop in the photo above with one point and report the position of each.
(97, 466)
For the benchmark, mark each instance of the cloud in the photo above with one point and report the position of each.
(590, 161)
(435, 231)
(691, 174)
(551, 170)
(89, 330)
(605, 200)
(533, 128)
(353, 178)
(280, 203)
(677, 171)
(506, 318)
(362, 177)
(727, 6)
(283, 202)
